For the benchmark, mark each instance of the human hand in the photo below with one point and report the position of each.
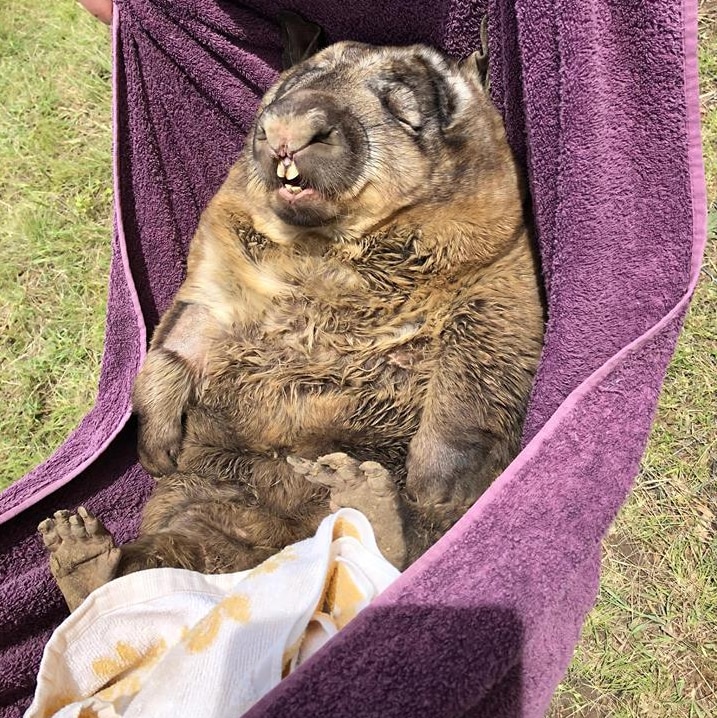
(101, 9)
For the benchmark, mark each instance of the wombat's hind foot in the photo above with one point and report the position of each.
(367, 487)
(83, 555)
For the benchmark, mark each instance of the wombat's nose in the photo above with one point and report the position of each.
(291, 125)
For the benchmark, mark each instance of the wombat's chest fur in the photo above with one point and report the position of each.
(340, 360)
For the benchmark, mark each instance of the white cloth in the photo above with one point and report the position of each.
(168, 642)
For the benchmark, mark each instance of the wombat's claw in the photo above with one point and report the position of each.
(337, 472)
(303, 467)
(159, 449)
(83, 555)
(367, 487)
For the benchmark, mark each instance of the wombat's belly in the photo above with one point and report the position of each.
(288, 393)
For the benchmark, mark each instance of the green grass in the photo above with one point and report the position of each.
(55, 219)
(649, 647)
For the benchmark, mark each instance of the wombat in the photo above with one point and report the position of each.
(359, 326)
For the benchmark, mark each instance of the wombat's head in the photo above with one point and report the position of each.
(356, 135)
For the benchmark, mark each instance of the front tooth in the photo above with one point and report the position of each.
(291, 171)
(280, 170)
(292, 188)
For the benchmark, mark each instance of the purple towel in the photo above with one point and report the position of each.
(600, 101)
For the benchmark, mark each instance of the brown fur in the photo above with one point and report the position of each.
(402, 327)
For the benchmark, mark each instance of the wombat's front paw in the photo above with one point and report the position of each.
(159, 444)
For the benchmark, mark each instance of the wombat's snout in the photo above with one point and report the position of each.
(305, 141)
(289, 128)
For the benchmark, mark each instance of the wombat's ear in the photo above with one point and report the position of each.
(476, 64)
(301, 39)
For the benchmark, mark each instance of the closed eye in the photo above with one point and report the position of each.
(327, 137)
(401, 103)
(412, 126)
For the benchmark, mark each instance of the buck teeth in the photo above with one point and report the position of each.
(292, 188)
(292, 171)
(280, 170)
